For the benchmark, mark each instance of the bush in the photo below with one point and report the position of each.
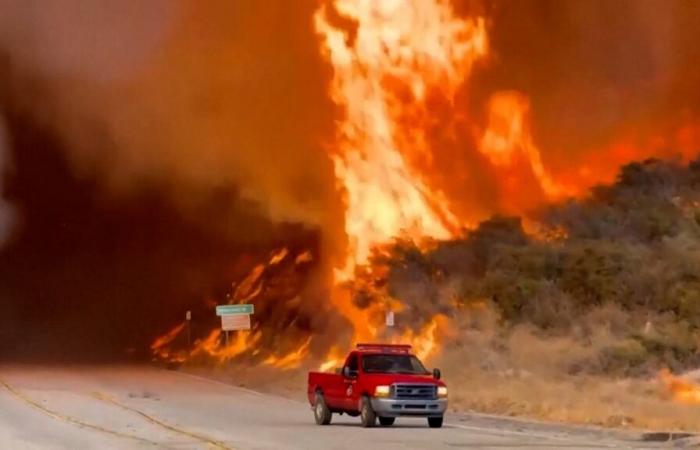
(634, 245)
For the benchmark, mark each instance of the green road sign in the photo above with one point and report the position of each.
(222, 310)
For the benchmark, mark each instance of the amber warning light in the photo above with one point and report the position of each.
(386, 348)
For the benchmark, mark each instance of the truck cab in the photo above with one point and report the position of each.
(379, 382)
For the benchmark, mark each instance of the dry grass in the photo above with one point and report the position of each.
(523, 373)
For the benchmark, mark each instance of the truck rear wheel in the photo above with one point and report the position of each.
(435, 422)
(386, 421)
(322, 414)
(367, 414)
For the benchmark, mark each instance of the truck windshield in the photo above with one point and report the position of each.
(407, 364)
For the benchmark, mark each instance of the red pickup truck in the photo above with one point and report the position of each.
(379, 381)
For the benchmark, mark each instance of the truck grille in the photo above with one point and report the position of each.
(415, 391)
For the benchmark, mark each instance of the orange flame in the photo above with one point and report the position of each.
(683, 391)
(290, 360)
(420, 45)
(510, 147)
(160, 347)
(384, 69)
(425, 341)
(390, 59)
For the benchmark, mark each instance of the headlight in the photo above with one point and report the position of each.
(442, 391)
(382, 391)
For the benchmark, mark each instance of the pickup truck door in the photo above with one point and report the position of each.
(350, 385)
(336, 388)
(334, 391)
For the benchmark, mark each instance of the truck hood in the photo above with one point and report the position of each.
(377, 379)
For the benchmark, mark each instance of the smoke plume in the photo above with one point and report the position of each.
(188, 97)
(158, 147)
(7, 214)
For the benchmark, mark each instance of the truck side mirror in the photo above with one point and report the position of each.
(347, 373)
(437, 374)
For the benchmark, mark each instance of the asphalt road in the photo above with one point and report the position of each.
(143, 407)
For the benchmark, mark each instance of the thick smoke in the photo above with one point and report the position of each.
(188, 97)
(158, 146)
(7, 213)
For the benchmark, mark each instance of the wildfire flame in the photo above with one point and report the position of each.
(390, 60)
(384, 68)
(386, 65)
(508, 144)
(160, 347)
(398, 52)
(683, 391)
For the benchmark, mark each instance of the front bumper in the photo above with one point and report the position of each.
(389, 407)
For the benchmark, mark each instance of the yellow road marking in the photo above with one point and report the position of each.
(153, 420)
(63, 417)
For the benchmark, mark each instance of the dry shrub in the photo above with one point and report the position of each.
(522, 371)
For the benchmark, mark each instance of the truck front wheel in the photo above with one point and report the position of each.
(367, 414)
(322, 414)
(435, 422)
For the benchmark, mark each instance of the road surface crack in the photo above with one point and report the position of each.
(153, 420)
(19, 395)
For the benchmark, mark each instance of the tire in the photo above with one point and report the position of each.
(435, 422)
(386, 421)
(322, 414)
(367, 414)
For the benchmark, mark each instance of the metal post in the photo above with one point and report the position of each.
(226, 338)
(188, 319)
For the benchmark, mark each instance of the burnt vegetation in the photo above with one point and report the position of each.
(628, 260)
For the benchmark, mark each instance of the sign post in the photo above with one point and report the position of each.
(390, 318)
(234, 318)
(222, 310)
(188, 318)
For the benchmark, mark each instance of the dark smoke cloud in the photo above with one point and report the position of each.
(189, 96)
(7, 213)
(157, 145)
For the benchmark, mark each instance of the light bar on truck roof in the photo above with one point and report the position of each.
(387, 348)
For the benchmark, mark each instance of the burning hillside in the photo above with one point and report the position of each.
(305, 157)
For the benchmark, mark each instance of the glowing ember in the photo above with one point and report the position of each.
(683, 391)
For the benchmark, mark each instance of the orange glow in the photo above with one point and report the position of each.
(240, 342)
(290, 360)
(390, 60)
(683, 391)
(420, 45)
(383, 72)
(425, 342)
(335, 358)
(510, 148)
(160, 346)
